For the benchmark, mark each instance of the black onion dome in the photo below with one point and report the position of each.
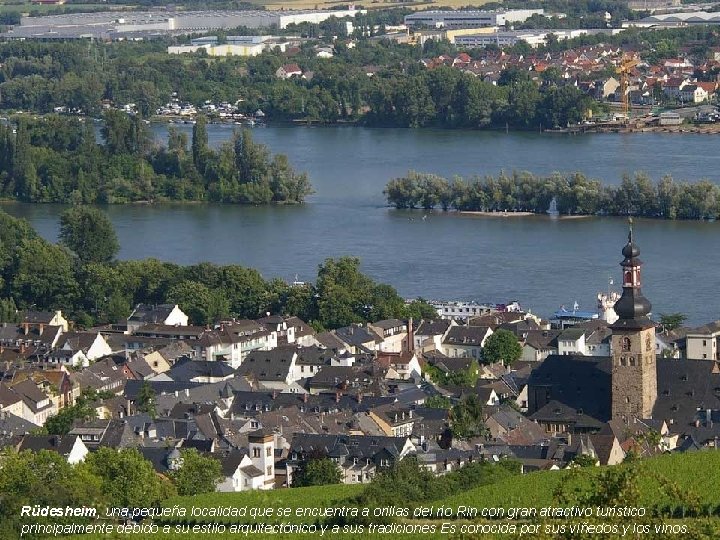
(632, 305)
(630, 251)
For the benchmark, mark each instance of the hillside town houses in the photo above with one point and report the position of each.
(594, 69)
(264, 395)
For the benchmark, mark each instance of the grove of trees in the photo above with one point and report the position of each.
(574, 193)
(57, 159)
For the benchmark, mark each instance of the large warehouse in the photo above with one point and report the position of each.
(468, 19)
(133, 25)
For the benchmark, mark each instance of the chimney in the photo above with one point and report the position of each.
(359, 398)
(337, 397)
(22, 348)
(26, 328)
(42, 328)
(305, 397)
(708, 417)
(274, 394)
(410, 336)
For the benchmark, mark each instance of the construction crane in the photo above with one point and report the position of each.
(626, 65)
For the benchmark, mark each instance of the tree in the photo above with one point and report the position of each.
(200, 143)
(671, 321)
(197, 473)
(404, 481)
(43, 275)
(146, 400)
(202, 304)
(127, 479)
(89, 233)
(502, 346)
(317, 472)
(438, 402)
(467, 418)
(584, 460)
(42, 478)
(8, 311)
(62, 422)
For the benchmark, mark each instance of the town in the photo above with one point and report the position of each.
(651, 67)
(266, 396)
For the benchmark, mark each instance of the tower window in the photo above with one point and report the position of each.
(625, 343)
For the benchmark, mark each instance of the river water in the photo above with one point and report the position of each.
(543, 263)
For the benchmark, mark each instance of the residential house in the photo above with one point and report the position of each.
(91, 344)
(199, 371)
(358, 338)
(311, 360)
(539, 344)
(394, 420)
(572, 341)
(465, 341)
(672, 87)
(401, 365)
(288, 71)
(39, 404)
(273, 369)
(166, 314)
(42, 319)
(429, 334)
(693, 93)
(359, 457)
(702, 342)
(70, 447)
(394, 333)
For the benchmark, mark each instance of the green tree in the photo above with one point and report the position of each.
(127, 479)
(671, 321)
(438, 402)
(468, 418)
(42, 478)
(43, 275)
(62, 422)
(200, 143)
(502, 346)
(89, 233)
(8, 311)
(146, 400)
(202, 304)
(197, 473)
(317, 472)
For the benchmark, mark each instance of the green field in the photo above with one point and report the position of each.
(667, 487)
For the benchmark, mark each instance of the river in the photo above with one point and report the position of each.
(543, 263)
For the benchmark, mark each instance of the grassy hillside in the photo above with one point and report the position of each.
(668, 486)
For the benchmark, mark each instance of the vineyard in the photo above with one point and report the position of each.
(679, 490)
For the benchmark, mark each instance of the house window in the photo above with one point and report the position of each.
(256, 452)
(254, 424)
(268, 451)
(268, 471)
(625, 344)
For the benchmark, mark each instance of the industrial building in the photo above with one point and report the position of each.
(468, 19)
(233, 46)
(138, 25)
(669, 20)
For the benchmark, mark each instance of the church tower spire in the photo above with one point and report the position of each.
(634, 372)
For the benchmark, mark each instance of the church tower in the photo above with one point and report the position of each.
(634, 373)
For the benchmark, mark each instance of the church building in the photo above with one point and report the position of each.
(579, 393)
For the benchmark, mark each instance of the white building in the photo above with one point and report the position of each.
(468, 19)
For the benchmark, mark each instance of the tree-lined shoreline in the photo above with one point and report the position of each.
(56, 159)
(572, 194)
